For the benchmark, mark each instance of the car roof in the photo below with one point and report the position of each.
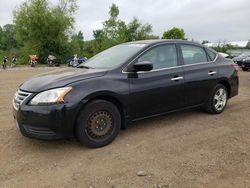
(158, 41)
(153, 42)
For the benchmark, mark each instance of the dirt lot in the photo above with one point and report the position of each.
(187, 149)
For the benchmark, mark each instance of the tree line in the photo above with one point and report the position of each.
(44, 29)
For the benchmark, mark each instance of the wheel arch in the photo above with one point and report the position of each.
(227, 85)
(110, 97)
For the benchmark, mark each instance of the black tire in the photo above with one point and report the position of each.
(244, 69)
(98, 117)
(211, 104)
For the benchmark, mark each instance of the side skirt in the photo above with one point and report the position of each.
(164, 113)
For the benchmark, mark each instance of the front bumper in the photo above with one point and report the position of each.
(46, 122)
(246, 65)
(238, 62)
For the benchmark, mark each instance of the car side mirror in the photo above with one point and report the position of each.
(143, 66)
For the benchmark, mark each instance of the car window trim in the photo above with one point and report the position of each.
(146, 50)
(178, 57)
(174, 67)
(182, 58)
(216, 54)
(173, 44)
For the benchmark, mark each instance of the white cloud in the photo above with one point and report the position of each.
(212, 20)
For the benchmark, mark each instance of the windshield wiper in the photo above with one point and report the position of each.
(84, 67)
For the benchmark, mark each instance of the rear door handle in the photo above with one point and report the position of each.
(212, 73)
(177, 78)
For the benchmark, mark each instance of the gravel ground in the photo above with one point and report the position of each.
(185, 149)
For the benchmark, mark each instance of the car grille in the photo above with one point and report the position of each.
(19, 97)
(247, 64)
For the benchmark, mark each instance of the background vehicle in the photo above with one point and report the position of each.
(74, 62)
(52, 61)
(123, 84)
(14, 61)
(33, 60)
(239, 59)
(4, 63)
(82, 60)
(246, 64)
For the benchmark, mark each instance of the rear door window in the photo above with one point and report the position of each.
(193, 54)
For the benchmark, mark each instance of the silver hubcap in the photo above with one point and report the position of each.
(220, 99)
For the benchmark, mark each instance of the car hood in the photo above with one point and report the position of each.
(60, 78)
(238, 58)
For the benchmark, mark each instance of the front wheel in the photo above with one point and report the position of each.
(98, 124)
(218, 100)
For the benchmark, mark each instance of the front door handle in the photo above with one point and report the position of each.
(177, 78)
(212, 73)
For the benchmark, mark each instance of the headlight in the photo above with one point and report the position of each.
(53, 96)
(243, 60)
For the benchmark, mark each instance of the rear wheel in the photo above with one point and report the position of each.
(218, 100)
(98, 124)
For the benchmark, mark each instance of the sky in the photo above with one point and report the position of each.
(212, 20)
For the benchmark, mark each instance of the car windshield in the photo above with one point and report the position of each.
(112, 57)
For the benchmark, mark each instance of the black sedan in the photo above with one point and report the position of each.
(246, 64)
(123, 84)
(240, 59)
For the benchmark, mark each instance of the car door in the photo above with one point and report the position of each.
(199, 72)
(160, 89)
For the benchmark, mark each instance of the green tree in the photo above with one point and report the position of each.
(137, 31)
(89, 48)
(8, 37)
(174, 33)
(97, 44)
(77, 43)
(116, 31)
(43, 29)
(113, 29)
(1, 35)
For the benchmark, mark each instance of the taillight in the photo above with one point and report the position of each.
(235, 66)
